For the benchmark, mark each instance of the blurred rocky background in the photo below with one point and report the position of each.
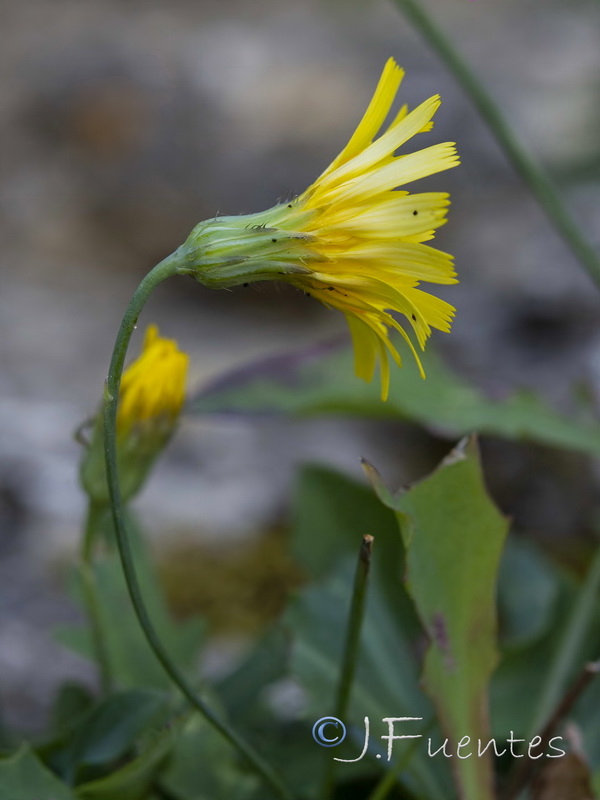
(125, 123)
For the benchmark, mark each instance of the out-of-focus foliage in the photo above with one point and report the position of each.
(132, 662)
(323, 382)
(430, 612)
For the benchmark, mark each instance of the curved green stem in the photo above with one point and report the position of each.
(540, 185)
(162, 271)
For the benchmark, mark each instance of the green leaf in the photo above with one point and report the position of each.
(527, 594)
(322, 381)
(72, 701)
(133, 781)
(596, 783)
(203, 766)
(242, 692)
(132, 662)
(586, 713)
(106, 733)
(517, 682)
(330, 514)
(248, 696)
(113, 726)
(386, 681)
(24, 777)
(523, 670)
(454, 537)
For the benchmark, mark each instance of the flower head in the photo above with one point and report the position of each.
(150, 401)
(153, 387)
(353, 239)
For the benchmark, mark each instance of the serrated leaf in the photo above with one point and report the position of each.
(454, 537)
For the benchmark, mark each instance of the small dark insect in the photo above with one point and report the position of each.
(245, 285)
(273, 240)
(289, 205)
(415, 213)
(414, 317)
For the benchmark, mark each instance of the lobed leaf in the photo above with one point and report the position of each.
(454, 537)
(322, 381)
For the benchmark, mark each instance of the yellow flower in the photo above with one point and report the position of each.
(150, 400)
(352, 240)
(153, 387)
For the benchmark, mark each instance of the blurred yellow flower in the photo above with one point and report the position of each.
(150, 400)
(153, 386)
(352, 240)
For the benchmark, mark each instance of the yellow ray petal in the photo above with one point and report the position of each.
(396, 135)
(402, 170)
(364, 342)
(374, 116)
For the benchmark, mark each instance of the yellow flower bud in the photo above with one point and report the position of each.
(153, 387)
(150, 400)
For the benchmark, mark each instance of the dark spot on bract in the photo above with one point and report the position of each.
(289, 205)
(273, 240)
(413, 316)
(415, 213)
(331, 288)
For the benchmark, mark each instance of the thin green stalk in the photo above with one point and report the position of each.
(90, 595)
(350, 656)
(568, 651)
(539, 183)
(162, 271)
